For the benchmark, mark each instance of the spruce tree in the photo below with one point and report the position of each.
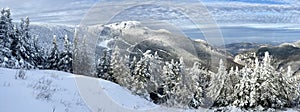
(243, 88)
(104, 69)
(198, 79)
(6, 35)
(176, 88)
(120, 69)
(18, 49)
(155, 87)
(65, 60)
(132, 65)
(38, 56)
(25, 47)
(142, 74)
(266, 87)
(276, 88)
(220, 89)
(168, 76)
(76, 55)
(53, 58)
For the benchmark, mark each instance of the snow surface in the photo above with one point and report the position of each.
(21, 95)
(105, 43)
(55, 91)
(18, 95)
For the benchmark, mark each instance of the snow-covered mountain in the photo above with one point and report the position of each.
(133, 37)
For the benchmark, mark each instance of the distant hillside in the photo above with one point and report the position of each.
(283, 55)
(236, 48)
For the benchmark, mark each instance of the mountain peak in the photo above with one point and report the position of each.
(123, 25)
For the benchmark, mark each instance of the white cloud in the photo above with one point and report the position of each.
(72, 11)
(49, 11)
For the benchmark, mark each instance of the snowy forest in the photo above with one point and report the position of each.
(169, 83)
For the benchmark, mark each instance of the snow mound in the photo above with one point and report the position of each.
(48, 90)
(40, 91)
(124, 98)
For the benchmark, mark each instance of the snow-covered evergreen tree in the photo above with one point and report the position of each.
(243, 94)
(39, 54)
(156, 91)
(6, 35)
(175, 86)
(132, 65)
(120, 69)
(65, 60)
(53, 58)
(82, 58)
(220, 89)
(76, 54)
(182, 92)
(290, 88)
(168, 76)
(266, 87)
(24, 47)
(156, 69)
(26, 42)
(198, 82)
(275, 88)
(142, 75)
(104, 69)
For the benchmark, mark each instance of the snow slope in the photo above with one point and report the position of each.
(26, 95)
(48, 91)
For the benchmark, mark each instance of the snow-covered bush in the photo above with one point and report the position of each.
(44, 88)
(221, 88)
(21, 74)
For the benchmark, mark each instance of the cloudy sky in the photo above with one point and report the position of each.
(239, 20)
